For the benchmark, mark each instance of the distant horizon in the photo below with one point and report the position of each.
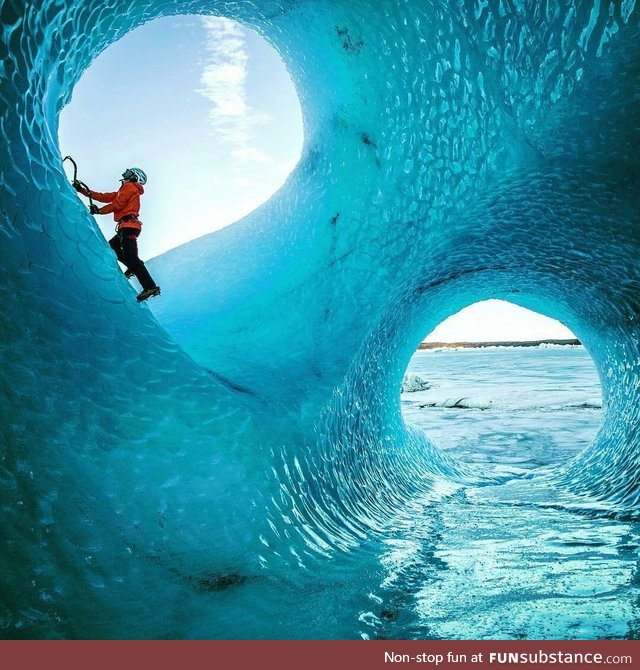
(500, 343)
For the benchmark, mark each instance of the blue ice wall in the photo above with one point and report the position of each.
(249, 423)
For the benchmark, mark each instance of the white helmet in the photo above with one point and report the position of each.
(135, 174)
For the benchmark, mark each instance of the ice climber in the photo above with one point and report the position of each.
(125, 206)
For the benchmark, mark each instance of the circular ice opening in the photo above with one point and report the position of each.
(205, 106)
(499, 385)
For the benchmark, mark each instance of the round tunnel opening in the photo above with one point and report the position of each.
(503, 387)
(205, 105)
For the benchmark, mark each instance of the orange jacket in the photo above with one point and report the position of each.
(124, 202)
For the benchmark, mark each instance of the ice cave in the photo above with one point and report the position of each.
(231, 461)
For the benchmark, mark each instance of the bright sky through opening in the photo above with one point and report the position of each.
(498, 321)
(203, 105)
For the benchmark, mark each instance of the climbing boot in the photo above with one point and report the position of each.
(148, 293)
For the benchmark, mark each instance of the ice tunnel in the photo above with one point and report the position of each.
(245, 431)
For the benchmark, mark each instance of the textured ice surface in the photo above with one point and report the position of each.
(154, 466)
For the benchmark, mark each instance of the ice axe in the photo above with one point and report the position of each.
(76, 180)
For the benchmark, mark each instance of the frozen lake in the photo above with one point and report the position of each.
(506, 408)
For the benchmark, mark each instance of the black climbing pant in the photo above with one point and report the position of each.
(125, 244)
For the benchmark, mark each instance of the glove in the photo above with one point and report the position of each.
(94, 209)
(77, 185)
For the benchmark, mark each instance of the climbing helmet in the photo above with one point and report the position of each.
(135, 174)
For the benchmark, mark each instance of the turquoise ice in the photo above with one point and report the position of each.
(208, 465)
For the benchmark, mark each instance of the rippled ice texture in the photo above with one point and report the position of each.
(209, 468)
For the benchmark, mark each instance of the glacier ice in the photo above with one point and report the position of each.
(250, 425)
